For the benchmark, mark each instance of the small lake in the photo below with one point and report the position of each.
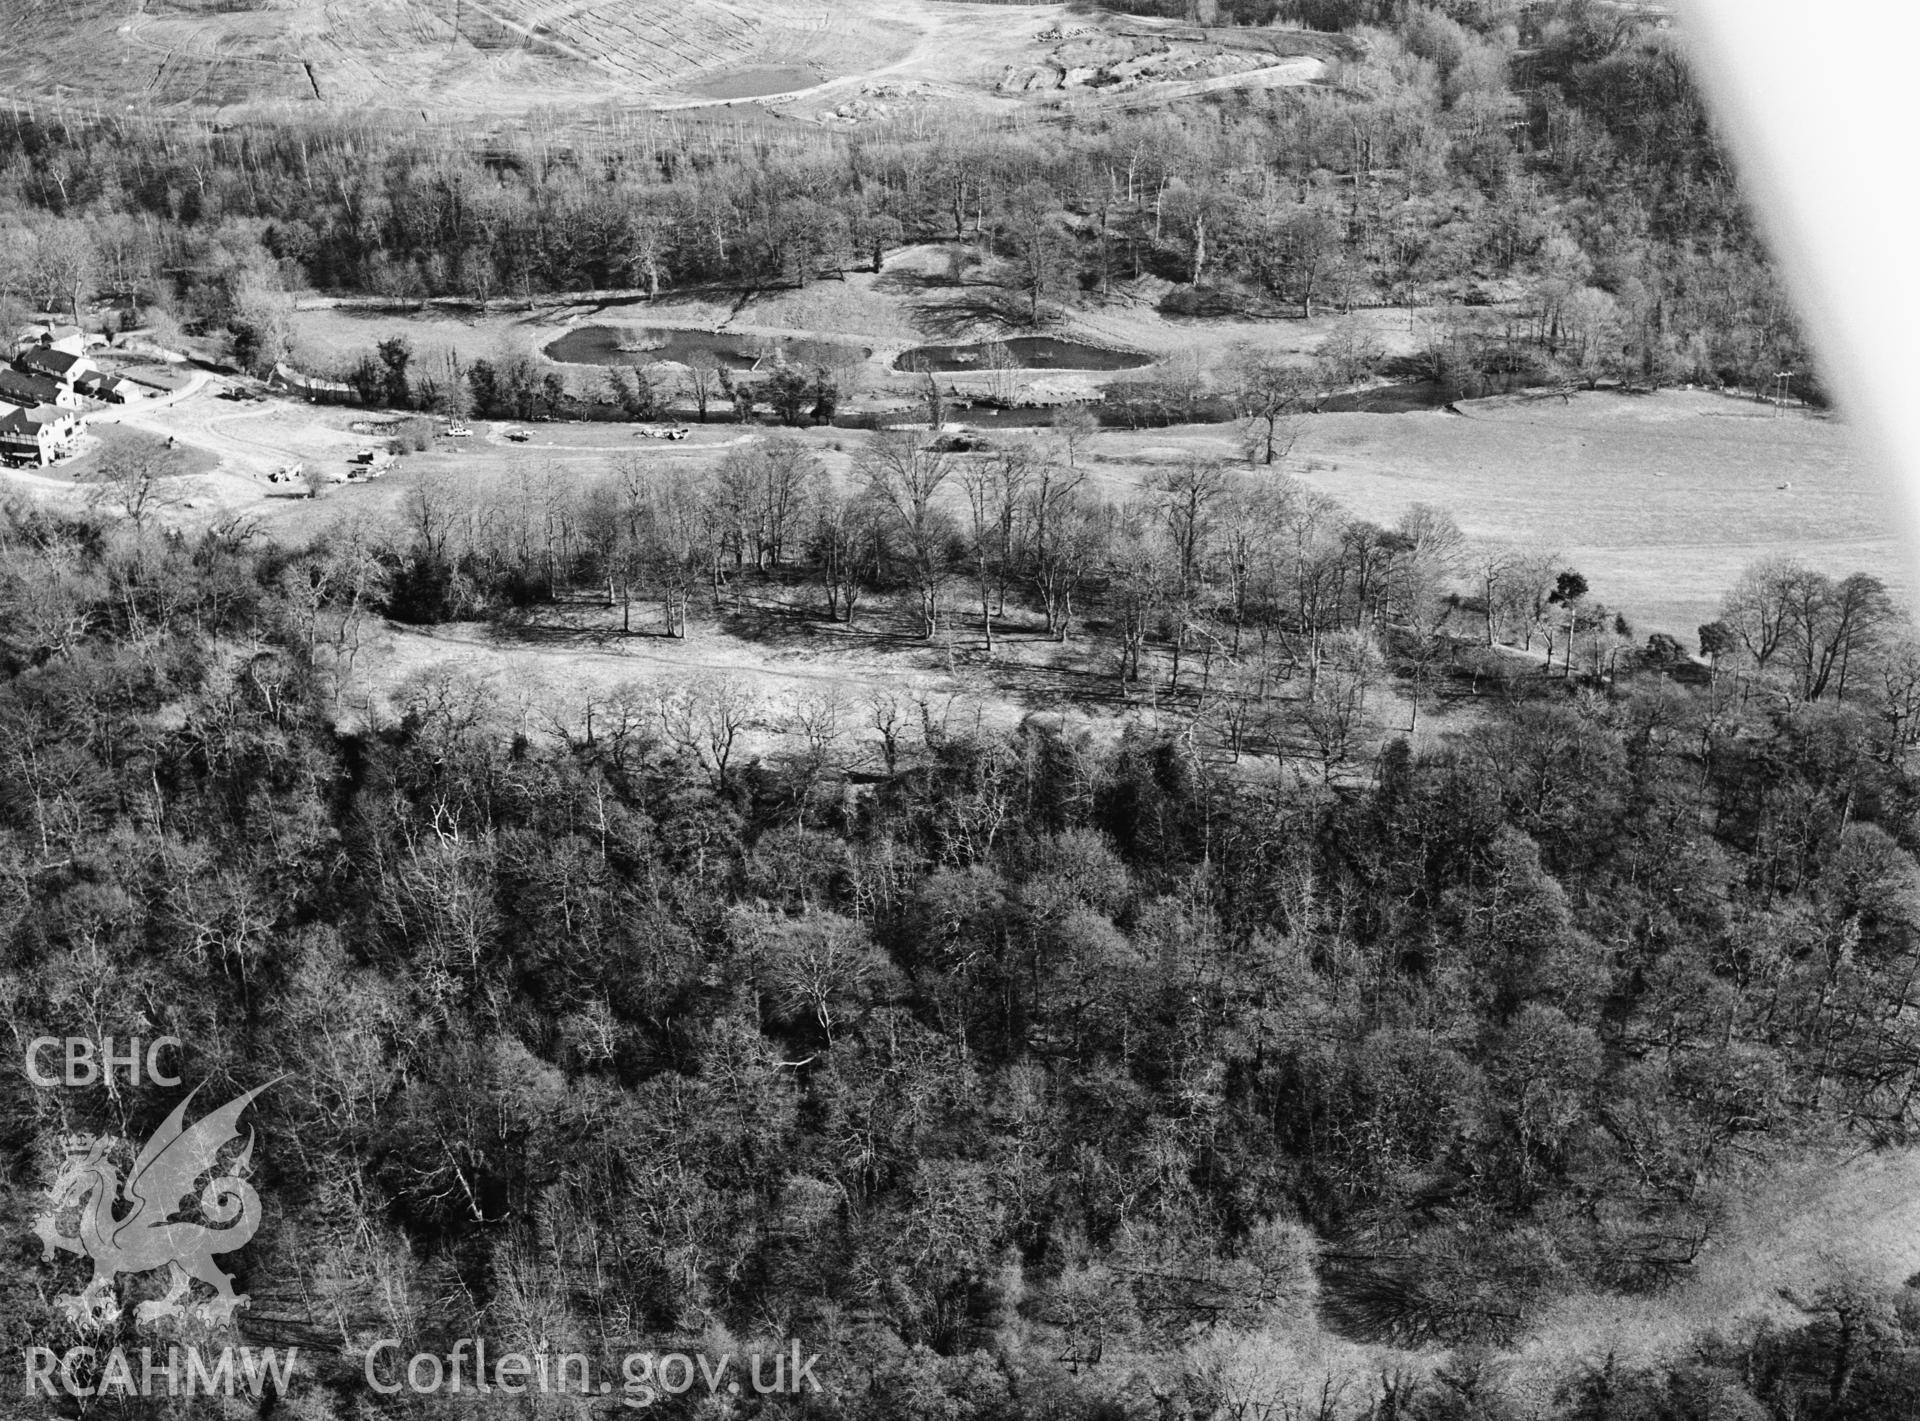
(756, 83)
(1029, 353)
(625, 345)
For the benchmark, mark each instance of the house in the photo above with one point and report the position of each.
(19, 388)
(69, 340)
(37, 436)
(114, 389)
(69, 369)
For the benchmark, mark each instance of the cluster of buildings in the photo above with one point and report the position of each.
(46, 390)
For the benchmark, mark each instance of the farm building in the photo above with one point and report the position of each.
(37, 435)
(69, 340)
(17, 387)
(114, 389)
(64, 366)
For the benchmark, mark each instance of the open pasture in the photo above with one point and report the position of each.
(1660, 500)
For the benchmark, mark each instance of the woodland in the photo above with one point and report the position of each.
(1407, 953)
(1543, 179)
(1020, 1071)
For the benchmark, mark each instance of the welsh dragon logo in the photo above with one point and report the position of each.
(147, 1237)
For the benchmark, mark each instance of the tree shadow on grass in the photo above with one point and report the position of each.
(528, 632)
(952, 319)
(877, 627)
(895, 282)
(586, 624)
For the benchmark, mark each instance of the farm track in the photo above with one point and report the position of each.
(198, 424)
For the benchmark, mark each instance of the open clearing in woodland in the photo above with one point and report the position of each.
(1660, 500)
(1798, 1227)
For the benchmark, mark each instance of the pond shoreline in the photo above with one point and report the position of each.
(610, 347)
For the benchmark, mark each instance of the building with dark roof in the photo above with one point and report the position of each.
(115, 389)
(17, 387)
(55, 364)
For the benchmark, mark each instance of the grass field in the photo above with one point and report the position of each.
(1660, 500)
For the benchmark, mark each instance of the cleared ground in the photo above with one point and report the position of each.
(839, 61)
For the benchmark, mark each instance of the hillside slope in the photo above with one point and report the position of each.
(494, 55)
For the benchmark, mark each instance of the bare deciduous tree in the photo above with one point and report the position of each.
(1332, 713)
(706, 716)
(1269, 394)
(903, 472)
(139, 476)
(703, 379)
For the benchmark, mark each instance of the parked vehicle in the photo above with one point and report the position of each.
(516, 436)
(458, 431)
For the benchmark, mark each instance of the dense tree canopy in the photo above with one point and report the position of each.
(1031, 1066)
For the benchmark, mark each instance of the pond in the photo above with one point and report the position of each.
(1029, 353)
(627, 345)
(757, 83)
